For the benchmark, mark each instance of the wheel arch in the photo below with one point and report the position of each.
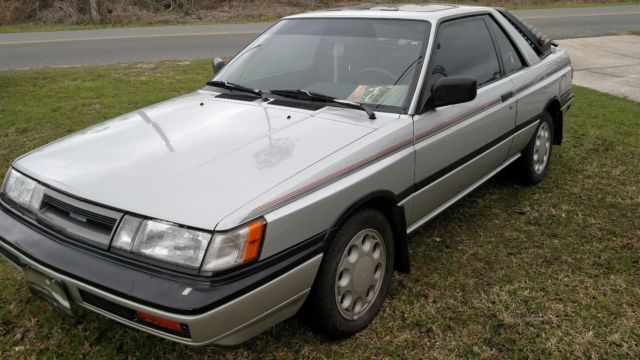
(386, 202)
(555, 110)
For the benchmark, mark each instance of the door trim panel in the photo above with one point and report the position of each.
(462, 194)
(532, 122)
(422, 184)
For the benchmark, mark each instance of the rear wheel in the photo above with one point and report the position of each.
(533, 165)
(354, 277)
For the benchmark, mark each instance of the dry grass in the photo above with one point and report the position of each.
(551, 271)
(146, 12)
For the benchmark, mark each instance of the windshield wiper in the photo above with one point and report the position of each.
(317, 97)
(237, 87)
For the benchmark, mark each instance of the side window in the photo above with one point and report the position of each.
(465, 48)
(510, 57)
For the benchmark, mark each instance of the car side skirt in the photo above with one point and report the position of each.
(464, 193)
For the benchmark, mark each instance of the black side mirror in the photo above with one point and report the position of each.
(217, 64)
(453, 90)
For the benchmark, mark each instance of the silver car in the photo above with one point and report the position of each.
(291, 180)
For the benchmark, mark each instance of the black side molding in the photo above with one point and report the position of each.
(419, 185)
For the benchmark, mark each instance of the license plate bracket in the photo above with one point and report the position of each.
(47, 288)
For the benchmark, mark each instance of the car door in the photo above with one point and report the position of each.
(456, 146)
(527, 106)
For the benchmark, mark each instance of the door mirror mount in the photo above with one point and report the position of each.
(217, 64)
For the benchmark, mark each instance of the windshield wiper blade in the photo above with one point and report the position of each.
(317, 97)
(355, 105)
(237, 87)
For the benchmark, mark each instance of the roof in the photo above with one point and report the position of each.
(402, 7)
(429, 12)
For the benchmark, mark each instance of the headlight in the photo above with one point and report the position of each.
(187, 247)
(162, 241)
(23, 191)
(235, 247)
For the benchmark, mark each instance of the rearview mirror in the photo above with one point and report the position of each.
(217, 64)
(453, 90)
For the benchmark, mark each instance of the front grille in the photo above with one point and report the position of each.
(108, 306)
(77, 220)
(100, 220)
(126, 313)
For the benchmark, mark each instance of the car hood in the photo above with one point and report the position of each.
(191, 160)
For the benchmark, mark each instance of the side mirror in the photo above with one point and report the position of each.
(453, 90)
(217, 64)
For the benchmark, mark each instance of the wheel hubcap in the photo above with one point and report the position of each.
(542, 148)
(360, 273)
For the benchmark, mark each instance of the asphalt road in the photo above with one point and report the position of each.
(125, 45)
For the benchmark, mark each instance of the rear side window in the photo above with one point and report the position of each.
(510, 57)
(465, 48)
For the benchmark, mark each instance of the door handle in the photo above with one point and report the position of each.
(507, 96)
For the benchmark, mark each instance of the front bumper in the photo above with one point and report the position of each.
(224, 313)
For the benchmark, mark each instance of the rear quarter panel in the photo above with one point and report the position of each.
(536, 86)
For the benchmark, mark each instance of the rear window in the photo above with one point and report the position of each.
(538, 42)
(511, 60)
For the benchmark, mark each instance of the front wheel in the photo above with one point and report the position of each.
(533, 165)
(354, 277)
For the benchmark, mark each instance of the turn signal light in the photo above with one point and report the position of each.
(234, 247)
(160, 322)
(254, 238)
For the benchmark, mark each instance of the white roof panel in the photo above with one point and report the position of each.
(430, 12)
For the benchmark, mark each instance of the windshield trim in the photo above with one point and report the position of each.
(408, 108)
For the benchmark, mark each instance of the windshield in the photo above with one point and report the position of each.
(373, 62)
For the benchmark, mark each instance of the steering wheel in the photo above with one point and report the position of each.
(376, 70)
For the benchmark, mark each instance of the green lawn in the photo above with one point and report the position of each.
(36, 27)
(509, 272)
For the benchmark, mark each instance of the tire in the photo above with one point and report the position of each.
(533, 165)
(345, 298)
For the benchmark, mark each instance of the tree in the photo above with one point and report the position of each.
(95, 13)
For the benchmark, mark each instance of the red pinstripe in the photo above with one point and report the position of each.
(334, 174)
(399, 145)
(459, 118)
(375, 156)
(538, 79)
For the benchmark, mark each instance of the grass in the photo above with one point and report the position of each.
(635, 32)
(271, 15)
(31, 27)
(35, 27)
(509, 272)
